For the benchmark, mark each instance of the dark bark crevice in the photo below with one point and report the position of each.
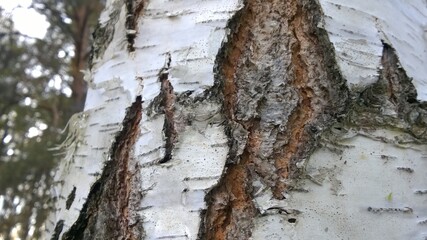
(134, 10)
(70, 198)
(58, 230)
(110, 208)
(165, 103)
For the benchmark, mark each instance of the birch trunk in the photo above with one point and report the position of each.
(230, 119)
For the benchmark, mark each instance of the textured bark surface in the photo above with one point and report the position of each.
(281, 90)
(243, 125)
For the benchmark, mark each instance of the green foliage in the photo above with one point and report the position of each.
(36, 79)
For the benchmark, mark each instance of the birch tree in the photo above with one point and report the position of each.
(230, 119)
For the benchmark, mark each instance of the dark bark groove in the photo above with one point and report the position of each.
(110, 209)
(134, 10)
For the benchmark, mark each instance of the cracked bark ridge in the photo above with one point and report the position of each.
(391, 102)
(110, 211)
(134, 10)
(281, 84)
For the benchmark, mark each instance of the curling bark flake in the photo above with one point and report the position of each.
(252, 128)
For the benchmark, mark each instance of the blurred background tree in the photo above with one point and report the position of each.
(41, 86)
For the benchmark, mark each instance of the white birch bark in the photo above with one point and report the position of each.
(357, 183)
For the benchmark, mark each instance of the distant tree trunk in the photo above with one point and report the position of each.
(250, 120)
(82, 16)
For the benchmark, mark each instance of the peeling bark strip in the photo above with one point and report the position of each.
(282, 86)
(110, 209)
(133, 9)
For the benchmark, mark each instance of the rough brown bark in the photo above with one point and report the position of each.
(281, 90)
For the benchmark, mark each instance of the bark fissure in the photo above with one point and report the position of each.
(58, 230)
(165, 103)
(134, 11)
(110, 208)
(70, 198)
(281, 89)
(168, 103)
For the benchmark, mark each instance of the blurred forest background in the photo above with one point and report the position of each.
(41, 86)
